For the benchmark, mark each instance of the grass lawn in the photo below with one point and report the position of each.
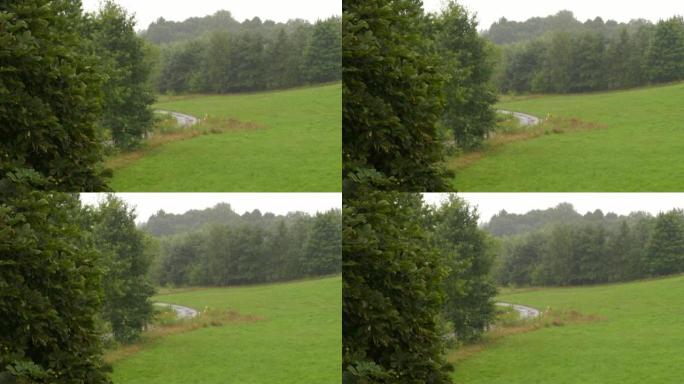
(639, 338)
(297, 339)
(641, 147)
(296, 147)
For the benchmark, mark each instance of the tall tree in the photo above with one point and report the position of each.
(467, 59)
(50, 292)
(392, 97)
(324, 53)
(469, 287)
(323, 250)
(666, 248)
(127, 97)
(392, 292)
(49, 95)
(126, 265)
(218, 62)
(666, 55)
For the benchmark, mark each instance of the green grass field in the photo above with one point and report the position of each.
(297, 146)
(296, 341)
(639, 338)
(639, 149)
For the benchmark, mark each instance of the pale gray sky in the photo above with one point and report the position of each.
(489, 11)
(489, 204)
(147, 11)
(147, 204)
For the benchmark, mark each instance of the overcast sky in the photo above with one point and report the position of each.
(147, 11)
(147, 204)
(489, 11)
(489, 204)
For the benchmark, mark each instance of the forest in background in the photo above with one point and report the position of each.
(218, 54)
(217, 246)
(558, 246)
(559, 54)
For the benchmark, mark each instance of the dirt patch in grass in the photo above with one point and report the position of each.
(167, 131)
(511, 133)
(165, 324)
(506, 326)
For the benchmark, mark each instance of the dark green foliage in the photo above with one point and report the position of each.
(50, 292)
(467, 59)
(49, 95)
(125, 263)
(560, 247)
(665, 254)
(219, 247)
(468, 254)
(392, 97)
(392, 292)
(126, 114)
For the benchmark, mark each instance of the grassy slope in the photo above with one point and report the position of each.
(298, 149)
(297, 342)
(639, 151)
(640, 340)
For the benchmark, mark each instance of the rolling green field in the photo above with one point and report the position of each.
(639, 338)
(297, 146)
(296, 341)
(640, 149)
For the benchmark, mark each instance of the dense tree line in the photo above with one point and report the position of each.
(410, 271)
(258, 58)
(248, 249)
(69, 83)
(408, 78)
(70, 275)
(165, 224)
(593, 248)
(594, 60)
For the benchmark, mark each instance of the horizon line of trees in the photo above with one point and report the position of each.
(594, 60)
(504, 31)
(248, 249)
(574, 249)
(263, 57)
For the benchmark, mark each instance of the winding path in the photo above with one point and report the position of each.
(524, 311)
(524, 119)
(182, 119)
(181, 311)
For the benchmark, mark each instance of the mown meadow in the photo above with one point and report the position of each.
(636, 142)
(281, 333)
(282, 141)
(618, 333)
